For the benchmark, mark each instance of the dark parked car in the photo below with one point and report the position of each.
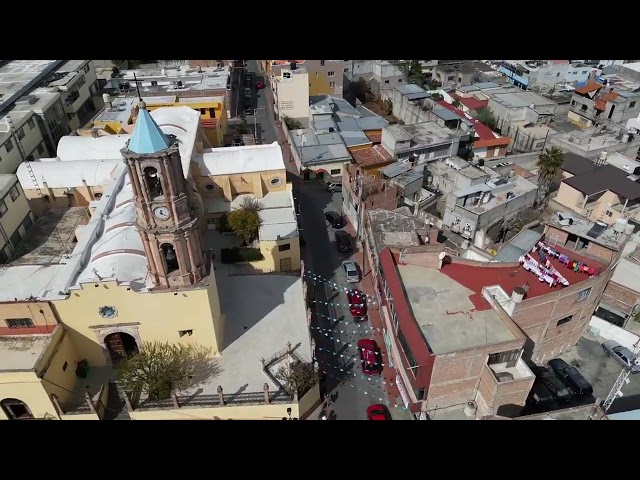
(343, 241)
(549, 379)
(571, 376)
(335, 219)
(540, 396)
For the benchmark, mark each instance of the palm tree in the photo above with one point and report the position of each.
(549, 166)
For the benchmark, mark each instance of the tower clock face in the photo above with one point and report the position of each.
(161, 213)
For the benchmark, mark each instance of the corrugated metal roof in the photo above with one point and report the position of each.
(394, 169)
(508, 253)
(526, 239)
(445, 114)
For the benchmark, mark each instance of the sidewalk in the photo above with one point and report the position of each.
(377, 324)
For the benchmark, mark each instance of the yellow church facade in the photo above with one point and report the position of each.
(87, 291)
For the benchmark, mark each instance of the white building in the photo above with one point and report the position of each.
(15, 216)
(291, 94)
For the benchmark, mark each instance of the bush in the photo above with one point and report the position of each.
(223, 225)
(238, 254)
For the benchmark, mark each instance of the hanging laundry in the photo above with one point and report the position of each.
(563, 259)
(592, 271)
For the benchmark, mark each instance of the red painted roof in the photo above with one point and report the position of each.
(486, 138)
(471, 103)
(588, 88)
(476, 278)
(601, 104)
(374, 137)
(367, 157)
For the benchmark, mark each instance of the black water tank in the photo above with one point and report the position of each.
(293, 65)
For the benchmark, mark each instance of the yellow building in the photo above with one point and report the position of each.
(15, 216)
(89, 284)
(119, 114)
(225, 177)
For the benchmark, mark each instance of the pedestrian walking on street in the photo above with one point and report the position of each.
(327, 400)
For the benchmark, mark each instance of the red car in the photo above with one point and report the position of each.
(357, 305)
(377, 412)
(370, 356)
(259, 85)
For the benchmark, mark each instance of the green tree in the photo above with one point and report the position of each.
(243, 128)
(549, 167)
(291, 123)
(436, 97)
(388, 106)
(158, 367)
(486, 116)
(456, 103)
(298, 377)
(245, 223)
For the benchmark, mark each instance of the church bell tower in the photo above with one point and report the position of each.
(166, 222)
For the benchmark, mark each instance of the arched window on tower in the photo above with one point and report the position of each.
(170, 257)
(152, 181)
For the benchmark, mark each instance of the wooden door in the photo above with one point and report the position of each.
(285, 264)
(115, 345)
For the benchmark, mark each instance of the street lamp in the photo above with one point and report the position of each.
(289, 413)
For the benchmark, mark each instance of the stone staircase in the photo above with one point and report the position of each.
(116, 405)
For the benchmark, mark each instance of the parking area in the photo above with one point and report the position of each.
(602, 372)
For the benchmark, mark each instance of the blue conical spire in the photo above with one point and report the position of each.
(147, 136)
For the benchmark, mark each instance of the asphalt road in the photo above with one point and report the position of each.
(333, 330)
(263, 121)
(335, 333)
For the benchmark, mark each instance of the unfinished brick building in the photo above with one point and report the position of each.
(463, 330)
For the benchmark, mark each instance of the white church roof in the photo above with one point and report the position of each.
(230, 160)
(58, 174)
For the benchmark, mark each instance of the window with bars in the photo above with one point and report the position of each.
(510, 356)
(20, 323)
(14, 193)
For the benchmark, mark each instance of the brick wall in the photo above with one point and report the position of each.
(425, 259)
(493, 394)
(537, 317)
(599, 251)
(456, 376)
(622, 298)
(558, 235)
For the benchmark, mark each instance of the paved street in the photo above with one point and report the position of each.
(334, 332)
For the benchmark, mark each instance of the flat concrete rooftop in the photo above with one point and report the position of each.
(447, 317)
(51, 237)
(22, 352)
(261, 313)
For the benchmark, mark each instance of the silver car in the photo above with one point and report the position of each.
(622, 355)
(351, 271)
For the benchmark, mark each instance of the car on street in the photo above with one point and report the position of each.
(540, 397)
(248, 111)
(357, 305)
(260, 85)
(343, 241)
(571, 377)
(351, 271)
(622, 355)
(333, 187)
(336, 220)
(560, 392)
(378, 412)
(370, 356)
